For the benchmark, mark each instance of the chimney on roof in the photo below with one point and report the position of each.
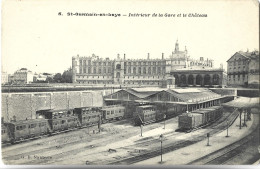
(124, 56)
(201, 58)
(162, 56)
(148, 56)
(118, 56)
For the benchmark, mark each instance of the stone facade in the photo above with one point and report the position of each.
(200, 77)
(96, 70)
(22, 76)
(243, 69)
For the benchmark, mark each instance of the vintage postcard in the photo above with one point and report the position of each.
(133, 82)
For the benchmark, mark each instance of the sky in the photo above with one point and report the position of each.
(34, 36)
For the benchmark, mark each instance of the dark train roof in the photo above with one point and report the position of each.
(87, 107)
(55, 110)
(28, 121)
(112, 107)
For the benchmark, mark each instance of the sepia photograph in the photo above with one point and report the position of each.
(129, 83)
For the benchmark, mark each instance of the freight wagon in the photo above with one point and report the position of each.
(197, 118)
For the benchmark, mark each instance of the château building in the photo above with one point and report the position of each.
(146, 71)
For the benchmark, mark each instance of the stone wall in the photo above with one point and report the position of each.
(25, 105)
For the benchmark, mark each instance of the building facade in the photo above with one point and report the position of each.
(200, 77)
(155, 72)
(22, 76)
(243, 69)
(4, 78)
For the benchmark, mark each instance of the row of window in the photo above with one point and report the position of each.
(238, 67)
(145, 70)
(94, 63)
(84, 62)
(89, 117)
(123, 77)
(113, 112)
(30, 126)
(149, 115)
(237, 62)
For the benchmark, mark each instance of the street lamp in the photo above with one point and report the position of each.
(141, 126)
(161, 140)
(227, 128)
(164, 117)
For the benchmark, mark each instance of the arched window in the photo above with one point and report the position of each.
(216, 79)
(190, 80)
(118, 66)
(207, 80)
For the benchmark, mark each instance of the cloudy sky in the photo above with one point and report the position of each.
(36, 37)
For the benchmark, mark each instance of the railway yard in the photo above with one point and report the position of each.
(120, 142)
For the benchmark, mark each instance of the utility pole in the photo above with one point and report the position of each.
(227, 128)
(240, 114)
(141, 127)
(208, 138)
(161, 140)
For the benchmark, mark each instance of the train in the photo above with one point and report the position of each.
(192, 120)
(51, 121)
(146, 114)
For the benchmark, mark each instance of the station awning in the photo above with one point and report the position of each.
(243, 102)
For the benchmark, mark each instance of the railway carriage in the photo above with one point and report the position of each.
(20, 130)
(88, 116)
(4, 133)
(51, 121)
(113, 112)
(59, 120)
(145, 114)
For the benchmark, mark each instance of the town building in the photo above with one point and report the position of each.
(153, 72)
(4, 78)
(22, 76)
(243, 69)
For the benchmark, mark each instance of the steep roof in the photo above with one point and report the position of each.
(248, 55)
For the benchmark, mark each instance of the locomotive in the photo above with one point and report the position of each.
(51, 121)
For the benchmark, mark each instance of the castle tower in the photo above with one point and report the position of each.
(119, 70)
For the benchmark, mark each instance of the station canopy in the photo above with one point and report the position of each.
(243, 102)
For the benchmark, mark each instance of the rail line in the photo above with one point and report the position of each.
(170, 147)
(229, 152)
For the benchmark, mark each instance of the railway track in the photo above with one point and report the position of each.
(12, 152)
(171, 147)
(226, 154)
(9, 155)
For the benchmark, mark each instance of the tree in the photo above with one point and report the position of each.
(57, 78)
(67, 76)
(49, 80)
